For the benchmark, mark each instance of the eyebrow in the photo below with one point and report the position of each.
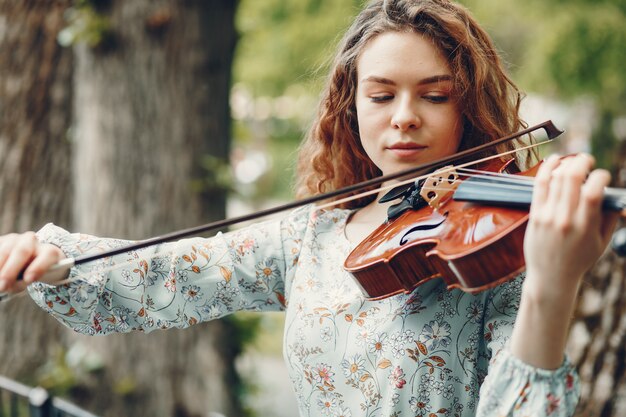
(424, 81)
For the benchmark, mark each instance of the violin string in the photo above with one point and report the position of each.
(116, 266)
(497, 176)
(421, 177)
(490, 179)
(484, 184)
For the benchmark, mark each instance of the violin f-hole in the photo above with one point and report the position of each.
(423, 227)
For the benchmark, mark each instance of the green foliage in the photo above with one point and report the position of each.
(584, 53)
(245, 328)
(68, 369)
(282, 56)
(217, 176)
(286, 42)
(88, 24)
(565, 49)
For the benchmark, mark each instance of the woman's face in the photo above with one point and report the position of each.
(405, 110)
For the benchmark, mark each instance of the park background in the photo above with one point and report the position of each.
(135, 118)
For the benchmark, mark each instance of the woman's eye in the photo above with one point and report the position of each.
(436, 98)
(380, 99)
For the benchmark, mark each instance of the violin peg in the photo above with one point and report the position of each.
(618, 242)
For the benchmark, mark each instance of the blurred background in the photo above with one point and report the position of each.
(136, 118)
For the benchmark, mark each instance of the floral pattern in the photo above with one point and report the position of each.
(433, 352)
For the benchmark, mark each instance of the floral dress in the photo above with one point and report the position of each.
(430, 353)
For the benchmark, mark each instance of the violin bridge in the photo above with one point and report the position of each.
(439, 186)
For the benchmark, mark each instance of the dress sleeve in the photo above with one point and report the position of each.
(174, 284)
(512, 387)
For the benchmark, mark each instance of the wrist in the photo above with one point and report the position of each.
(550, 291)
(544, 318)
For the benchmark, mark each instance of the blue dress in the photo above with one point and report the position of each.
(430, 353)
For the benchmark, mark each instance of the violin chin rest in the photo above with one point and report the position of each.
(618, 242)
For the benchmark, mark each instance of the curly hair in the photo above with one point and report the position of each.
(331, 155)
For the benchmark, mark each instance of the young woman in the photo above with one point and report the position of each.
(413, 81)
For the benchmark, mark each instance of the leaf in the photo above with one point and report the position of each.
(187, 258)
(195, 269)
(193, 321)
(281, 298)
(364, 377)
(384, 364)
(440, 361)
(193, 256)
(203, 254)
(360, 322)
(226, 273)
(422, 347)
(349, 318)
(71, 313)
(141, 312)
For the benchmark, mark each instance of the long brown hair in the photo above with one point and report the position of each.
(332, 157)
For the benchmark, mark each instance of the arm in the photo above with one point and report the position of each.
(172, 285)
(512, 387)
(566, 234)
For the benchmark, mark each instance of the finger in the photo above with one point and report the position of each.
(6, 243)
(573, 172)
(592, 195)
(47, 256)
(541, 187)
(593, 191)
(21, 254)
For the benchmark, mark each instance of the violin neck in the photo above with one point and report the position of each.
(516, 193)
(614, 199)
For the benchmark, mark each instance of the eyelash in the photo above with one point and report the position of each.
(436, 99)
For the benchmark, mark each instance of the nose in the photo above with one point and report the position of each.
(405, 116)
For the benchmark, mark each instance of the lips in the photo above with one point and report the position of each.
(406, 145)
(406, 149)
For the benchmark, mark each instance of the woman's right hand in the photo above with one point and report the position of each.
(24, 253)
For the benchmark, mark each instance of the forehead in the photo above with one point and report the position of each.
(401, 53)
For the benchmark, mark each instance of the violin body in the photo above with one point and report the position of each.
(470, 246)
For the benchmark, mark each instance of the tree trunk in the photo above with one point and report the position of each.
(151, 107)
(597, 342)
(35, 178)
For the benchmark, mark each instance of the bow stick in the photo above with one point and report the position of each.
(59, 271)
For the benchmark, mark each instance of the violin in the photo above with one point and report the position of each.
(433, 254)
(470, 232)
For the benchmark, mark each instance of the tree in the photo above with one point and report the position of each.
(35, 178)
(151, 110)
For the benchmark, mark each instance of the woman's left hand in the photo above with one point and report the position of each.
(566, 234)
(567, 230)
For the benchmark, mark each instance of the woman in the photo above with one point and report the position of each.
(413, 81)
